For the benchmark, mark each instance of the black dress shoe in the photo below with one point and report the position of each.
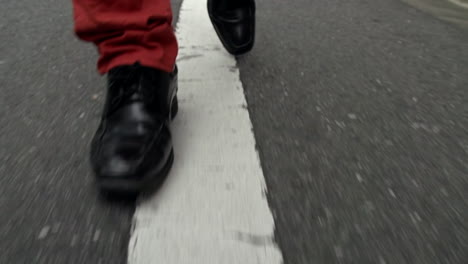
(234, 22)
(132, 148)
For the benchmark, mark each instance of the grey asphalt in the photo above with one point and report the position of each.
(360, 110)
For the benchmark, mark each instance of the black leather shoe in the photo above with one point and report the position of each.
(234, 22)
(132, 148)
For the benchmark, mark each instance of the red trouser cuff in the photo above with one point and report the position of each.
(128, 31)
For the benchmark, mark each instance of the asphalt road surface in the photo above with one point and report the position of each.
(360, 112)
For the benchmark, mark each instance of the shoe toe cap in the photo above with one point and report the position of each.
(116, 167)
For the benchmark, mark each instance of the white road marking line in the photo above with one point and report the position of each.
(212, 208)
(459, 3)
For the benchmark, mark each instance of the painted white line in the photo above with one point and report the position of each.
(212, 208)
(459, 3)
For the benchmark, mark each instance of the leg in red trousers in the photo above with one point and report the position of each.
(132, 148)
(127, 31)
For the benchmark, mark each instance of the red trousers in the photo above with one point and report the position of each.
(128, 31)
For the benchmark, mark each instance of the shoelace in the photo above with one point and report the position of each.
(129, 85)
